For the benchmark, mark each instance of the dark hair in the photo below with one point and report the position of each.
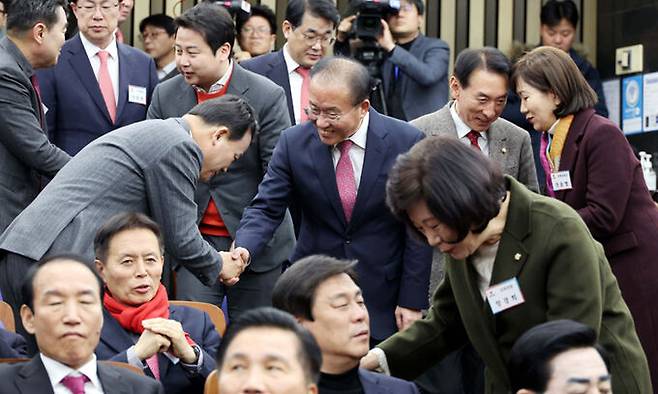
(325, 9)
(487, 59)
(419, 6)
(530, 357)
(552, 70)
(348, 71)
(257, 10)
(210, 20)
(22, 15)
(120, 223)
(159, 20)
(294, 292)
(27, 287)
(230, 111)
(462, 187)
(309, 354)
(554, 11)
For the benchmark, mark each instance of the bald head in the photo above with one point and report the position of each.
(352, 75)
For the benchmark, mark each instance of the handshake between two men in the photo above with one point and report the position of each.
(234, 262)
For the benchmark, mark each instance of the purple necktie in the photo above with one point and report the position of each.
(345, 179)
(76, 384)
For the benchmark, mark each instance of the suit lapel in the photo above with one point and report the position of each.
(324, 168)
(238, 85)
(497, 148)
(372, 383)
(123, 80)
(113, 335)
(33, 378)
(376, 149)
(111, 380)
(572, 144)
(278, 73)
(80, 63)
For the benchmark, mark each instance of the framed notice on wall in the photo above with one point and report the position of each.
(650, 108)
(631, 104)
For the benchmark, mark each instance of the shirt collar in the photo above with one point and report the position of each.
(58, 371)
(462, 128)
(361, 135)
(551, 130)
(92, 49)
(169, 67)
(291, 64)
(217, 86)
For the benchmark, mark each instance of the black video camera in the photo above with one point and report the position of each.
(369, 14)
(234, 6)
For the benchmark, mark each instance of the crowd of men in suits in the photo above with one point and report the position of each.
(248, 165)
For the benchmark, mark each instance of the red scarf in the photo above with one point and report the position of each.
(131, 317)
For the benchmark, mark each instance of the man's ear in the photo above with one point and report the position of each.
(39, 31)
(27, 317)
(100, 268)
(218, 133)
(313, 388)
(455, 87)
(287, 28)
(524, 391)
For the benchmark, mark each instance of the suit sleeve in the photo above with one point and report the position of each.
(273, 119)
(266, 211)
(153, 80)
(209, 347)
(154, 111)
(20, 130)
(609, 181)
(429, 69)
(527, 169)
(12, 345)
(170, 185)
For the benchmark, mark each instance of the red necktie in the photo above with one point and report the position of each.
(473, 137)
(37, 89)
(345, 179)
(105, 83)
(76, 384)
(154, 366)
(303, 101)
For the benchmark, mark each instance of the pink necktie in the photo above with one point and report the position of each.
(544, 163)
(154, 366)
(105, 83)
(303, 101)
(37, 89)
(76, 384)
(345, 179)
(473, 137)
(119, 36)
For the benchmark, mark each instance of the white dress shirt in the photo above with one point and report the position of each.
(58, 371)
(295, 80)
(463, 129)
(166, 70)
(357, 151)
(112, 61)
(219, 85)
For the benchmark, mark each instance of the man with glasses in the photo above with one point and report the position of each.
(256, 32)
(203, 46)
(309, 30)
(334, 168)
(158, 34)
(98, 85)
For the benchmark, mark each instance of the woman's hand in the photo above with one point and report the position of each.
(370, 361)
(172, 330)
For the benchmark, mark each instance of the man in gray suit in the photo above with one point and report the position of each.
(35, 34)
(150, 167)
(203, 54)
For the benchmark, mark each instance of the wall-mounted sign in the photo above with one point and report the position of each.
(631, 102)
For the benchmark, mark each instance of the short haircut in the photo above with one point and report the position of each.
(487, 59)
(309, 355)
(348, 71)
(27, 287)
(159, 20)
(552, 70)
(257, 10)
(531, 355)
(295, 290)
(120, 223)
(554, 11)
(230, 111)
(325, 9)
(463, 189)
(212, 21)
(22, 15)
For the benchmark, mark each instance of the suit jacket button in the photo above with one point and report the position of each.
(348, 241)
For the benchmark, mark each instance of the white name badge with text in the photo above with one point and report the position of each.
(504, 295)
(137, 94)
(561, 180)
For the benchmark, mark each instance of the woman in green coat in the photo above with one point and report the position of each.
(515, 259)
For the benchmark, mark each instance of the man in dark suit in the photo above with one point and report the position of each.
(335, 168)
(415, 70)
(12, 345)
(150, 167)
(63, 310)
(309, 30)
(158, 34)
(98, 85)
(203, 52)
(322, 293)
(34, 37)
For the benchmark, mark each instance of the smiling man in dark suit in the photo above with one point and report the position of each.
(63, 310)
(335, 168)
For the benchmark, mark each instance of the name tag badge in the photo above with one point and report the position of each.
(561, 180)
(137, 94)
(504, 295)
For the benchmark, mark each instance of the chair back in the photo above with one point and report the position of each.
(215, 313)
(123, 365)
(211, 386)
(13, 360)
(7, 317)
